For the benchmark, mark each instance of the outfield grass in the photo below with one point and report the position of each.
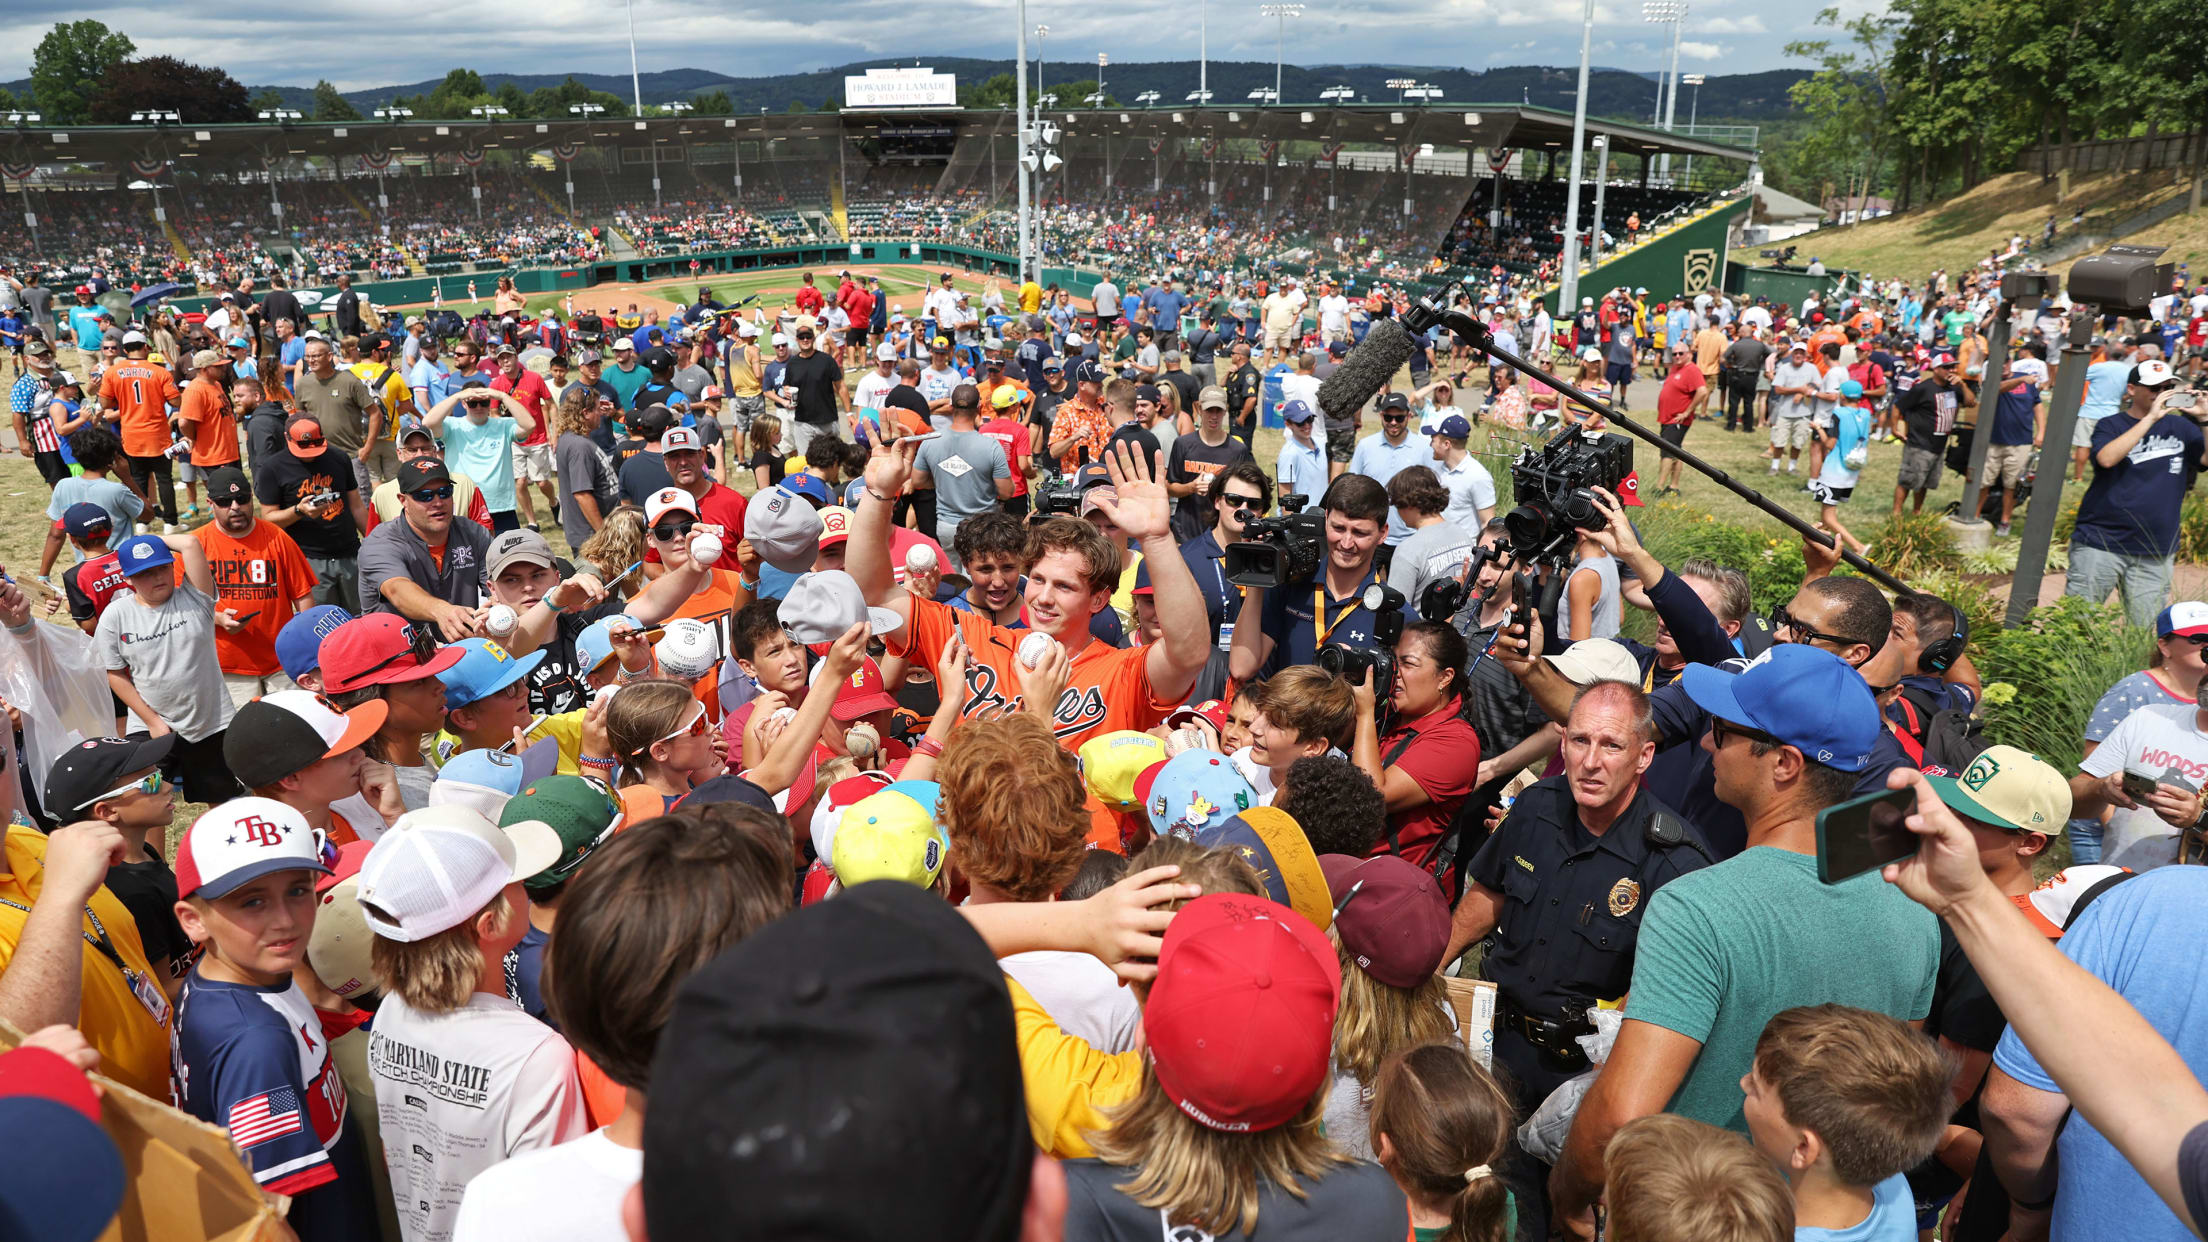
(904, 284)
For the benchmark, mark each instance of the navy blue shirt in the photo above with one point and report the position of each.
(1292, 622)
(525, 975)
(1033, 353)
(1207, 563)
(2132, 508)
(2012, 414)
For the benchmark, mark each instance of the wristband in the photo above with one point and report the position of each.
(927, 746)
(887, 500)
(592, 761)
(749, 584)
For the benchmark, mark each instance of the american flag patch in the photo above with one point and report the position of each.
(270, 1115)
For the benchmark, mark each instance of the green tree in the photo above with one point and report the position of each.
(714, 103)
(331, 106)
(199, 93)
(996, 92)
(1844, 148)
(67, 65)
(509, 97)
(552, 102)
(266, 98)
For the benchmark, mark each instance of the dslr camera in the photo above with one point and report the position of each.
(1349, 662)
(1555, 483)
(1061, 496)
(1276, 551)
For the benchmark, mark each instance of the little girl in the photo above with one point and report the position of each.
(766, 462)
(1440, 1127)
(661, 736)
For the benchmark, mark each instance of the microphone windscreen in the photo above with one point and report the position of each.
(1366, 369)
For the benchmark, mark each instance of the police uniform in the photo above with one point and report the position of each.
(1571, 912)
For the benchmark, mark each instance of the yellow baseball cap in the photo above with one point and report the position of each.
(2008, 788)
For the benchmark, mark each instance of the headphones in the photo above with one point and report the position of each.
(1940, 656)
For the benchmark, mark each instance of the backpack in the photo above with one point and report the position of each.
(1941, 741)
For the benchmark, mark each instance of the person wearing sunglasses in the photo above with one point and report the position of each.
(261, 579)
(1392, 448)
(119, 783)
(663, 738)
(1724, 949)
(314, 496)
(427, 567)
(482, 446)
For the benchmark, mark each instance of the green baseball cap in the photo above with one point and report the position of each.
(579, 813)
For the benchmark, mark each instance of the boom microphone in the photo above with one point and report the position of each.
(1366, 370)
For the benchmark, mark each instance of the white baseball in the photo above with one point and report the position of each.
(501, 620)
(706, 548)
(1035, 648)
(920, 559)
(782, 716)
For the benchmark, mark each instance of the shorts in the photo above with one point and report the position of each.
(1828, 494)
(854, 338)
(1920, 470)
(1277, 338)
(532, 463)
(1790, 433)
(2006, 462)
(186, 472)
(247, 686)
(1617, 372)
(1675, 433)
(1339, 448)
(2081, 436)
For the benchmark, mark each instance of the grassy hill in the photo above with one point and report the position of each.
(1959, 231)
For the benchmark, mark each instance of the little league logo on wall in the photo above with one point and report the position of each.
(1700, 270)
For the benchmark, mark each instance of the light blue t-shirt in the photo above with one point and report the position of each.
(1381, 461)
(1852, 426)
(2128, 939)
(434, 379)
(122, 504)
(1893, 1218)
(484, 453)
(2104, 388)
(1301, 470)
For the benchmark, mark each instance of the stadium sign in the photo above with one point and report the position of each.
(900, 88)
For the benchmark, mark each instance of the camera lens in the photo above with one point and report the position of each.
(1528, 526)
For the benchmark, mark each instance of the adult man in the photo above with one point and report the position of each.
(1684, 394)
(969, 472)
(1073, 572)
(482, 445)
(1082, 425)
(1741, 365)
(1794, 385)
(1244, 384)
(532, 452)
(1724, 949)
(347, 307)
(1303, 385)
(2019, 426)
(1287, 626)
(1471, 487)
(1172, 371)
(682, 452)
(741, 366)
(426, 567)
(390, 382)
(522, 573)
(625, 375)
(1333, 314)
(349, 415)
(139, 395)
(30, 399)
(2106, 385)
(205, 416)
(1301, 468)
(261, 578)
(1282, 311)
(1193, 467)
(690, 378)
(429, 378)
(314, 496)
(817, 392)
(1436, 547)
(2144, 458)
(1380, 455)
(415, 441)
(1929, 409)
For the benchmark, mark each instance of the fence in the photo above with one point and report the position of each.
(2112, 155)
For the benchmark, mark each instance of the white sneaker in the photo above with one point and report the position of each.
(138, 528)
(1790, 467)
(171, 528)
(1774, 465)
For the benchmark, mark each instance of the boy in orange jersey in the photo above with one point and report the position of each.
(138, 396)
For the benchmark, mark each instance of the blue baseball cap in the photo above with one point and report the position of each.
(1851, 390)
(484, 669)
(810, 486)
(84, 517)
(1193, 792)
(1455, 427)
(143, 552)
(1804, 696)
(594, 646)
(485, 780)
(1298, 411)
(299, 643)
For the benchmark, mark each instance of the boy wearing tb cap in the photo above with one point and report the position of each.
(158, 645)
(252, 1055)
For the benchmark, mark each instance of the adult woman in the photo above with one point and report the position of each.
(662, 739)
(508, 300)
(1590, 381)
(1513, 400)
(1426, 766)
(1392, 927)
(2171, 676)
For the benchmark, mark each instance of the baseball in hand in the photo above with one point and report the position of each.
(920, 559)
(501, 621)
(782, 716)
(1035, 648)
(706, 548)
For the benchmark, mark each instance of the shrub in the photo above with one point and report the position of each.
(2059, 663)
(1913, 544)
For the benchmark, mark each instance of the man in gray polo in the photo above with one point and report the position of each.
(425, 566)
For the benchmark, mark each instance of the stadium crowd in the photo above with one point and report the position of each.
(832, 770)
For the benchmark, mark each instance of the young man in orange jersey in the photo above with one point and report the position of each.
(1072, 573)
(138, 396)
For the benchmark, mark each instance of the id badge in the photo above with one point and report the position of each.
(1226, 635)
(149, 994)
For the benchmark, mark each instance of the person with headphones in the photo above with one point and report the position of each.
(1926, 670)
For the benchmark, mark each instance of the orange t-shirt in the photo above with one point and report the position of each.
(1817, 342)
(1110, 689)
(215, 433)
(261, 573)
(143, 393)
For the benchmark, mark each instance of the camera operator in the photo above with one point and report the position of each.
(1426, 764)
(1562, 886)
(1285, 627)
(1240, 488)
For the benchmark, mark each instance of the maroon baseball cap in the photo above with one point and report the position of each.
(1390, 915)
(382, 649)
(1241, 1017)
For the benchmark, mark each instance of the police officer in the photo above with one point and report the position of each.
(1561, 886)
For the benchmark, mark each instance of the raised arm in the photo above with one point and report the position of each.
(1145, 512)
(868, 559)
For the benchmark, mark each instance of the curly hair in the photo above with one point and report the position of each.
(1014, 806)
(1341, 810)
(577, 405)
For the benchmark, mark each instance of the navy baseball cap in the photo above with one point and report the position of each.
(1455, 427)
(1298, 412)
(1804, 696)
(299, 643)
(1087, 372)
(83, 518)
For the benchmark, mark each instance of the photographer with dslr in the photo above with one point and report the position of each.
(1426, 764)
(1287, 625)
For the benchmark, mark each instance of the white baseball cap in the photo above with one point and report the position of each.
(669, 498)
(681, 439)
(779, 339)
(1596, 659)
(621, 342)
(2153, 373)
(240, 841)
(885, 353)
(747, 329)
(437, 867)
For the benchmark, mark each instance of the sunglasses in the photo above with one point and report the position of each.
(668, 532)
(309, 441)
(226, 502)
(421, 644)
(696, 727)
(149, 784)
(1722, 730)
(1781, 619)
(431, 495)
(1241, 501)
(2198, 640)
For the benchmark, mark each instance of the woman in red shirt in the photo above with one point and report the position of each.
(1426, 765)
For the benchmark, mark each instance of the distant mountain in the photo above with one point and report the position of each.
(1617, 93)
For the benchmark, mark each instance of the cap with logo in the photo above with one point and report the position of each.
(410, 427)
(382, 649)
(303, 436)
(594, 646)
(299, 643)
(483, 669)
(1240, 1021)
(2183, 619)
(578, 813)
(1112, 762)
(483, 779)
(240, 841)
(1086, 371)
(279, 734)
(892, 835)
(1454, 427)
(822, 604)
(89, 770)
(835, 525)
(1297, 411)
(2153, 373)
(1394, 402)
(862, 693)
(668, 500)
(1271, 840)
(1804, 696)
(1193, 791)
(511, 546)
(681, 440)
(784, 528)
(810, 486)
(1390, 915)
(1211, 397)
(83, 519)
(143, 552)
(421, 472)
(437, 867)
(2008, 788)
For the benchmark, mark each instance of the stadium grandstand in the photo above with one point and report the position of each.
(1364, 192)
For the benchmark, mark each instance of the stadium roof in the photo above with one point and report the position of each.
(1515, 126)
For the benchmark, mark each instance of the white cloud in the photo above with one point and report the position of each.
(1750, 24)
(1692, 49)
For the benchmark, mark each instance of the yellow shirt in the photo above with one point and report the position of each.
(1031, 297)
(133, 1047)
(397, 397)
(1070, 1084)
(566, 728)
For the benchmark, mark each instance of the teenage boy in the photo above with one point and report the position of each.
(251, 1052)
(464, 1079)
(1844, 1101)
(114, 498)
(117, 781)
(158, 646)
(1301, 711)
(289, 747)
(1302, 468)
(1194, 468)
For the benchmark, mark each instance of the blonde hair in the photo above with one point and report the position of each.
(572, 418)
(617, 545)
(1670, 1179)
(640, 716)
(1873, 1091)
(1377, 1020)
(437, 974)
(766, 432)
(1448, 1125)
(1196, 1175)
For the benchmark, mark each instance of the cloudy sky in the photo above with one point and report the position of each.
(261, 42)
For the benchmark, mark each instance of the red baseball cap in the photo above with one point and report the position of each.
(865, 692)
(1390, 915)
(1211, 711)
(382, 649)
(1241, 1018)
